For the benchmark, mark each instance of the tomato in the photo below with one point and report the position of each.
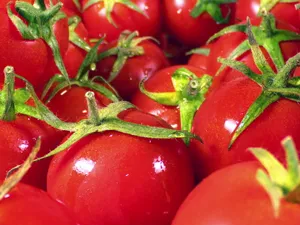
(202, 61)
(120, 179)
(97, 24)
(284, 12)
(233, 196)
(27, 205)
(134, 70)
(221, 113)
(161, 82)
(75, 98)
(36, 58)
(193, 31)
(18, 141)
(233, 40)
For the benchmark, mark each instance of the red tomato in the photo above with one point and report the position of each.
(193, 31)
(134, 70)
(95, 20)
(202, 61)
(233, 196)
(36, 55)
(27, 205)
(284, 12)
(221, 113)
(226, 44)
(161, 82)
(17, 143)
(120, 179)
(74, 97)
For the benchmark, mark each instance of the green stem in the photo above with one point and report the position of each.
(92, 107)
(9, 113)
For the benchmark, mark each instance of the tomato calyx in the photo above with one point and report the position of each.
(100, 120)
(13, 101)
(280, 182)
(199, 51)
(266, 35)
(267, 5)
(274, 86)
(13, 179)
(40, 21)
(109, 6)
(127, 47)
(212, 7)
(189, 95)
(73, 36)
(82, 79)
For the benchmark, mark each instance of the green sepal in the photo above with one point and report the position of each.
(106, 120)
(212, 7)
(73, 36)
(40, 22)
(109, 6)
(274, 86)
(268, 5)
(199, 51)
(81, 79)
(189, 95)
(266, 35)
(13, 179)
(127, 47)
(279, 182)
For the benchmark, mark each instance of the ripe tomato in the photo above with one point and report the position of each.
(221, 113)
(135, 68)
(17, 143)
(193, 31)
(120, 179)
(202, 61)
(283, 11)
(234, 196)
(75, 98)
(161, 82)
(27, 205)
(233, 40)
(96, 22)
(36, 58)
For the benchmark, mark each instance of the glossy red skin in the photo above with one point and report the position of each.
(192, 31)
(202, 61)
(161, 82)
(17, 141)
(27, 205)
(110, 178)
(285, 12)
(77, 108)
(126, 19)
(36, 56)
(232, 196)
(219, 116)
(224, 46)
(134, 70)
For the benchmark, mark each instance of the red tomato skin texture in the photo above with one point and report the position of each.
(161, 82)
(17, 140)
(221, 113)
(192, 31)
(116, 179)
(224, 46)
(126, 19)
(12, 47)
(284, 12)
(77, 108)
(202, 61)
(134, 70)
(232, 196)
(28, 205)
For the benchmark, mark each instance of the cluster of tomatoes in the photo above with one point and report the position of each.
(146, 112)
